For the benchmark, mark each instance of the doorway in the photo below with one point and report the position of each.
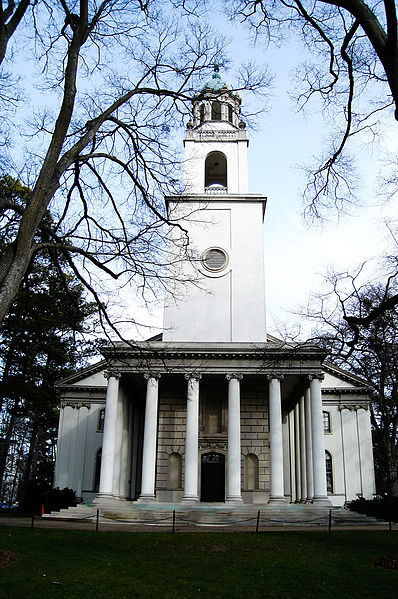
(212, 478)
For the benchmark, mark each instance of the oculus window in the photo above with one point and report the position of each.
(214, 259)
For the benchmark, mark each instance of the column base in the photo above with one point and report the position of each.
(277, 500)
(144, 498)
(101, 497)
(233, 499)
(190, 499)
(322, 501)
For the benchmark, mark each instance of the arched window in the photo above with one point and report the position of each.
(202, 113)
(329, 472)
(216, 170)
(97, 469)
(216, 111)
(175, 471)
(251, 472)
(230, 114)
(326, 422)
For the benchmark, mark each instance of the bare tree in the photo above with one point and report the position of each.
(11, 15)
(119, 77)
(352, 67)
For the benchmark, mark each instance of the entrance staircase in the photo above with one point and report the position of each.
(217, 515)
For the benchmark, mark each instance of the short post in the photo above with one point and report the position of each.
(258, 520)
(330, 521)
(174, 521)
(97, 520)
(33, 520)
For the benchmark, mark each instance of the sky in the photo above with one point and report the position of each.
(298, 254)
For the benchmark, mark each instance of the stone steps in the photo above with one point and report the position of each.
(214, 514)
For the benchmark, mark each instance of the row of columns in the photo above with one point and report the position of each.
(309, 421)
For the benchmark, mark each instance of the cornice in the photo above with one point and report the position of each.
(344, 390)
(253, 351)
(81, 389)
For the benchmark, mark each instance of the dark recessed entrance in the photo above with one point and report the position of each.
(212, 479)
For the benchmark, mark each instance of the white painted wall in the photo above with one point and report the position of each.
(229, 305)
(235, 151)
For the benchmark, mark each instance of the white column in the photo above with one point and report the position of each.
(297, 452)
(308, 446)
(60, 448)
(82, 421)
(303, 465)
(118, 446)
(124, 467)
(234, 453)
(192, 439)
(318, 443)
(108, 440)
(276, 443)
(150, 438)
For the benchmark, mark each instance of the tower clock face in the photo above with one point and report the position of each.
(214, 259)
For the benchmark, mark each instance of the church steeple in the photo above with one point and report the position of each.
(224, 226)
(216, 142)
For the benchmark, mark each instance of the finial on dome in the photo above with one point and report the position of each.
(216, 83)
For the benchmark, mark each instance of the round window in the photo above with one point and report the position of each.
(214, 259)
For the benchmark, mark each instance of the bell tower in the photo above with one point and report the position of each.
(225, 301)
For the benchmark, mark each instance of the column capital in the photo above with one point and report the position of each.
(276, 375)
(151, 375)
(316, 375)
(116, 374)
(192, 375)
(231, 376)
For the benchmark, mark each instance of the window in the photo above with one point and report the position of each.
(101, 420)
(214, 259)
(216, 111)
(329, 472)
(175, 471)
(97, 469)
(251, 472)
(216, 170)
(326, 422)
(230, 114)
(202, 114)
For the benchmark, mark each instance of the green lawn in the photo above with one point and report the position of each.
(117, 565)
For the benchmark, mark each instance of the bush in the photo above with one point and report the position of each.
(37, 496)
(384, 508)
(58, 499)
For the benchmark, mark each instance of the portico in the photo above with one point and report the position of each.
(215, 414)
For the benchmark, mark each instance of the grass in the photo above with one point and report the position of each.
(120, 565)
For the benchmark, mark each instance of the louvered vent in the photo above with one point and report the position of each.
(214, 259)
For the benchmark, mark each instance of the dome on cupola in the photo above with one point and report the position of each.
(216, 105)
(215, 83)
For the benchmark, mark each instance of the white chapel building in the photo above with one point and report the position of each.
(213, 409)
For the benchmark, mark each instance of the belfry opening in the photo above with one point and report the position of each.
(216, 170)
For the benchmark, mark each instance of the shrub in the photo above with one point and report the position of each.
(384, 508)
